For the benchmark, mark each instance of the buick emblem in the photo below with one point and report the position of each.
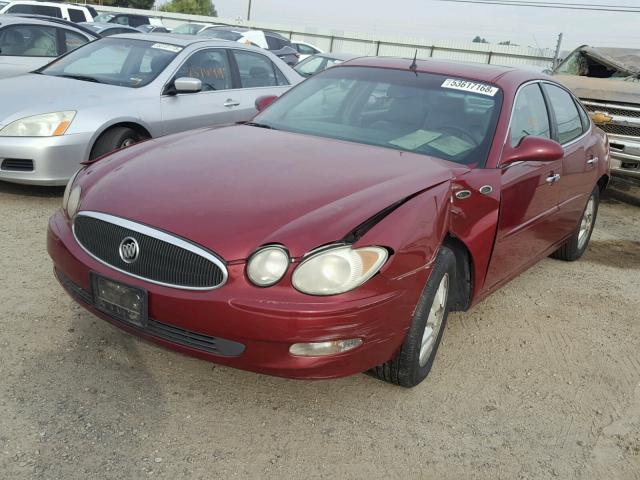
(129, 250)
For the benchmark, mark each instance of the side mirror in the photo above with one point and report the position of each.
(534, 149)
(187, 85)
(264, 101)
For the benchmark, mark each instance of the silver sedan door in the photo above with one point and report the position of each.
(212, 105)
(259, 76)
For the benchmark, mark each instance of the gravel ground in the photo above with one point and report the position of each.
(541, 380)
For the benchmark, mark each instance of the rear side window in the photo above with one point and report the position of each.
(28, 41)
(73, 40)
(530, 116)
(276, 43)
(255, 69)
(305, 49)
(566, 113)
(76, 15)
(37, 10)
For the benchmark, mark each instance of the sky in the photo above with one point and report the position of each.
(432, 19)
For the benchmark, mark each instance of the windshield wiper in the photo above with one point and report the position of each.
(84, 78)
(259, 125)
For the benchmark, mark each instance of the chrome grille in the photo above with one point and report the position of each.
(163, 258)
(620, 109)
(620, 130)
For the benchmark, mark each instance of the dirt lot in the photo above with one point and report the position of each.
(542, 380)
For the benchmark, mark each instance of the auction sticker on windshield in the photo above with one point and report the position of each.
(468, 86)
(166, 47)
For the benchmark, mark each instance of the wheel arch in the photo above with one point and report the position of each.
(602, 183)
(138, 126)
(462, 289)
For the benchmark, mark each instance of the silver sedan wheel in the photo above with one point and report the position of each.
(127, 142)
(586, 223)
(434, 320)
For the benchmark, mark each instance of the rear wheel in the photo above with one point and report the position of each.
(413, 362)
(576, 245)
(114, 139)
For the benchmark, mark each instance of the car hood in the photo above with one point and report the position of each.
(236, 188)
(45, 94)
(604, 89)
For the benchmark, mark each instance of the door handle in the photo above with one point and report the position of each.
(551, 179)
(593, 161)
(231, 103)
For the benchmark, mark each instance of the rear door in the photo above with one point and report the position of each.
(527, 224)
(579, 170)
(257, 76)
(212, 105)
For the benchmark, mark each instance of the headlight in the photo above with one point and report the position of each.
(71, 197)
(45, 125)
(338, 269)
(268, 265)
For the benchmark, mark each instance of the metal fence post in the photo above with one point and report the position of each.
(431, 51)
(490, 57)
(331, 44)
(377, 48)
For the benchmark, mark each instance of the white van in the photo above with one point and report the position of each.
(67, 11)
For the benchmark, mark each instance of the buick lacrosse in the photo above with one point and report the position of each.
(334, 232)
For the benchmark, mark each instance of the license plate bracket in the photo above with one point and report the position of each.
(123, 302)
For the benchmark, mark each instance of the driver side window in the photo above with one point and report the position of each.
(211, 67)
(530, 116)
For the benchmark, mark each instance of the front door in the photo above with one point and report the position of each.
(527, 224)
(213, 105)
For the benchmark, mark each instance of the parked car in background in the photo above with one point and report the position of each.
(317, 63)
(191, 28)
(274, 42)
(127, 19)
(72, 12)
(334, 232)
(107, 29)
(607, 82)
(29, 42)
(119, 90)
(153, 29)
(305, 49)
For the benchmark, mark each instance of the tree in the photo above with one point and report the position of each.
(508, 42)
(478, 39)
(194, 7)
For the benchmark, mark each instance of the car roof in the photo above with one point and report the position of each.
(32, 19)
(337, 56)
(477, 71)
(176, 39)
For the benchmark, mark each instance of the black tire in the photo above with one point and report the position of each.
(573, 249)
(114, 139)
(405, 369)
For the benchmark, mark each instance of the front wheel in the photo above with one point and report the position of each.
(576, 245)
(413, 362)
(114, 139)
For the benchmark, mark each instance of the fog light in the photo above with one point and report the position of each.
(319, 349)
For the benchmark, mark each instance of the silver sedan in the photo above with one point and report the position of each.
(119, 90)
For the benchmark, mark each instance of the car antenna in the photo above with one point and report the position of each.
(414, 65)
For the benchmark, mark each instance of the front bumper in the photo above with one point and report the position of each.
(625, 156)
(53, 159)
(249, 330)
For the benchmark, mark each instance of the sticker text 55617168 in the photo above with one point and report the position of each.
(467, 86)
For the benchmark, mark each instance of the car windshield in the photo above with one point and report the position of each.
(115, 61)
(221, 34)
(104, 17)
(188, 29)
(437, 115)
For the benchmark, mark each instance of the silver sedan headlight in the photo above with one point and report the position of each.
(45, 125)
(338, 269)
(267, 265)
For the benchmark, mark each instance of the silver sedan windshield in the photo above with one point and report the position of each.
(115, 61)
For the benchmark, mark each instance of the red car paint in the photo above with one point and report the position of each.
(209, 186)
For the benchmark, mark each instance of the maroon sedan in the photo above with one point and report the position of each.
(334, 233)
